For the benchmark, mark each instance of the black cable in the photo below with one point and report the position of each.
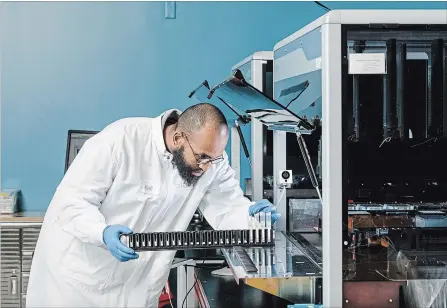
(322, 5)
(195, 282)
(195, 278)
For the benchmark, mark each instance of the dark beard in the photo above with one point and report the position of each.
(184, 170)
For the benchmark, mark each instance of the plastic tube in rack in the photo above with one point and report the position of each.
(262, 219)
(268, 225)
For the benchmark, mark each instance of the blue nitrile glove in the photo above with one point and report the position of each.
(264, 206)
(111, 237)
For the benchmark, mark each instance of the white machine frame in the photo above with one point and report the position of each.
(331, 39)
(256, 61)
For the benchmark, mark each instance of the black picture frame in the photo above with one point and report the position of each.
(72, 134)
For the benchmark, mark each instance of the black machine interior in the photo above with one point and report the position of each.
(397, 145)
(395, 125)
(394, 153)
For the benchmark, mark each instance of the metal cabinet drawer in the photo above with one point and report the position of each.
(29, 238)
(10, 291)
(10, 267)
(25, 279)
(23, 300)
(17, 244)
(27, 257)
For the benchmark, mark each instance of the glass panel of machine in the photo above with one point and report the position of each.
(394, 165)
(297, 76)
(238, 94)
(246, 71)
(201, 94)
(297, 86)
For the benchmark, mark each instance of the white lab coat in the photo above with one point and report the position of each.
(123, 175)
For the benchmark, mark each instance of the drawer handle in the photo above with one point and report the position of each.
(13, 285)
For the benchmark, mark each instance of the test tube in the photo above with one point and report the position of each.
(208, 238)
(202, 239)
(161, 241)
(191, 238)
(233, 237)
(184, 239)
(197, 238)
(268, 225)
(131, 241)
(143, 240)
(262, 219)
(155, 237)
(148, 240)
(245, 236)
(215, 242)
(168, 239)
(137, 240)
(173, 239)
(178, 239)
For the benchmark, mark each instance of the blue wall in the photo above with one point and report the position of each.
(80, 65)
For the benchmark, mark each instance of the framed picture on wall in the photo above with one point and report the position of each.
(75, 141)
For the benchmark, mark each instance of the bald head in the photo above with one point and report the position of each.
(197, 140)
(196, 117)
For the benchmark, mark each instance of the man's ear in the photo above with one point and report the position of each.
(177, 138)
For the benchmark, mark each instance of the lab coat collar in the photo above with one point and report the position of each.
(158, 133)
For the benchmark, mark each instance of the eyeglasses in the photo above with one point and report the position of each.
(203, 160)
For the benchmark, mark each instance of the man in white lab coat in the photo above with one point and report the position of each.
(140, 175)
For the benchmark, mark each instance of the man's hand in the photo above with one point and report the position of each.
(111, 237)
(264, 206)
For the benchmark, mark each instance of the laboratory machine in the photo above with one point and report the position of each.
(281, 267)
(363, 92)
(250, 133)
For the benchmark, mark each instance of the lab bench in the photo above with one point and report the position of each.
(288, 273)
(212, 291)
(223, 292)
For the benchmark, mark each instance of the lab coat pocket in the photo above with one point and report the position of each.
(89, 265)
